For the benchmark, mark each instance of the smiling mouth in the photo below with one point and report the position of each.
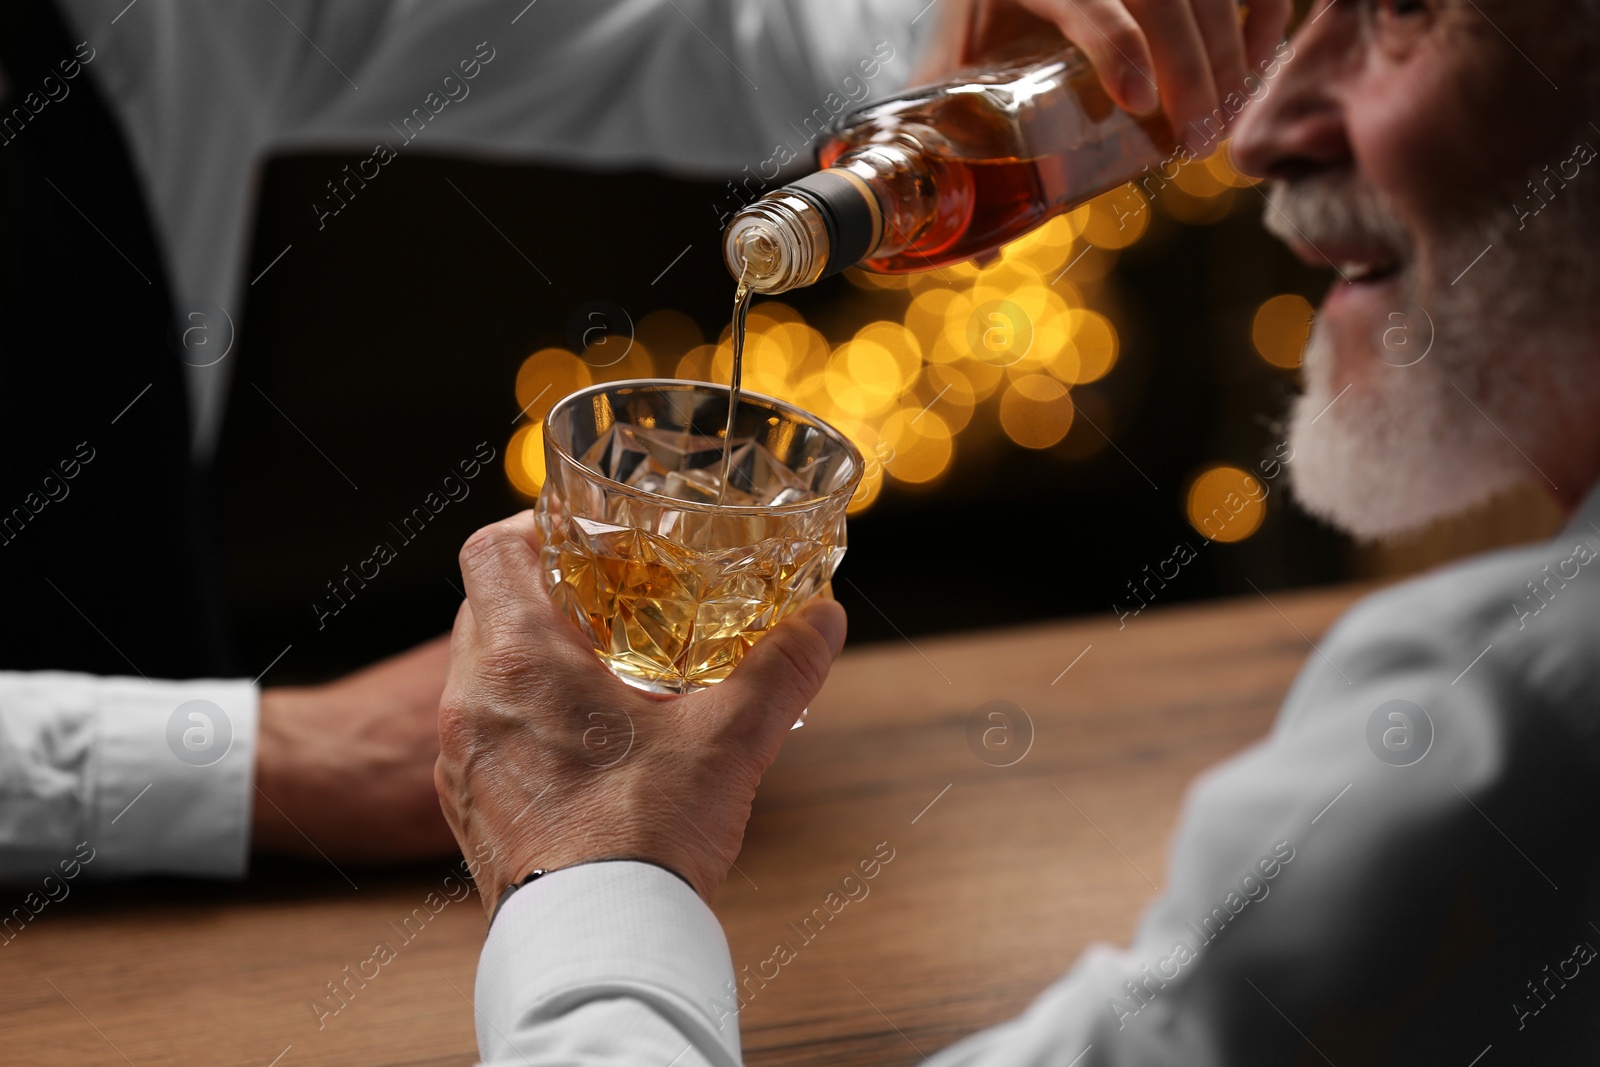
(1357, 264)
(1357, 273)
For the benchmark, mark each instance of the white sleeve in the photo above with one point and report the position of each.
(150, 777)
(1374, 880)
(706, 86)
(615, 963)
(203, 91)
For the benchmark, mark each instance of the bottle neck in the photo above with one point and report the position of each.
(871, 202)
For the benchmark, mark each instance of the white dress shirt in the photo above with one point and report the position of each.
(203, 92)
(1318, 893)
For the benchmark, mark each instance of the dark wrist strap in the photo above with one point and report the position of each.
(535, 875)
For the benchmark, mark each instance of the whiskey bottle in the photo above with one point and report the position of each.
(948, 172)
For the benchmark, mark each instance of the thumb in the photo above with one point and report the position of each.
(783, 672)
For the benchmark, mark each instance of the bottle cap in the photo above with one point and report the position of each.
(805, 231)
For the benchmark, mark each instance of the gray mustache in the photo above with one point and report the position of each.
(1332, 210)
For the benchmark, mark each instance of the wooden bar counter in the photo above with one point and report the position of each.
(1000, 874)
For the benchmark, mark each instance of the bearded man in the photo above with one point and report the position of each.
(1404, 870)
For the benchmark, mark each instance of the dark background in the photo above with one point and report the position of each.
(391, 337)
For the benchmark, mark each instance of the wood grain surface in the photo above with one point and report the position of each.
(1000, 875)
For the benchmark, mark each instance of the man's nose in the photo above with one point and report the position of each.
(1298, 125)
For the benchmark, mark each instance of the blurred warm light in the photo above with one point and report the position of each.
(1088, 265)
(1049, 248)
(1197, 209)
(952, 275)
(617, 359)
(901, 343)
(1015, 282)
(867, 492)
(983, 376)
(1036, 411)
(1117, 219)
(525, 459)
(1057, 350)
(767, 355)
(1052, 336)
(867, 279)
(925, 317)
(1095, 340)
(1199, 180)
(1021, 328)
(999, 332)
(946, 392)
(547, 376)
(1222, 165)
(851, 397)
(668, 333)
(1226, 503)
(695, 364)
(1281, 328)
(920, 445)
(774, 312)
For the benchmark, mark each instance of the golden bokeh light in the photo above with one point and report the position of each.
(1226, 503)
(1118, 218)
(1048, 248)
(927, 313)
(1197, 209)
(1280, 329)
(525, 459)
(863, 378)
(1222, 165)
(920, 446)
(695, 364)
(547, 376)
(1199, 180)
(668, 334)
(908, 382)
(867, 492)
(901, 343)
(1036, 411)
(767, 356)
(1095, 342)
(618, 358)
(945, 391)
(867, 279)
(1057, 348)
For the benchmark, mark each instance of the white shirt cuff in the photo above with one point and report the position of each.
(628, 934)
(173, 777)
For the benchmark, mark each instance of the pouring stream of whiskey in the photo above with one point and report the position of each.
(741, 305)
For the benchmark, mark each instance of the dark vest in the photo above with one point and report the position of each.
(108, 561)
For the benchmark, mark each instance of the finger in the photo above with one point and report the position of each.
(1183, 66)
(1111, 38)
(1224, 39)
(949, 42)
(504, 582)
(516, 624)
(780, 675)
(1264, 30)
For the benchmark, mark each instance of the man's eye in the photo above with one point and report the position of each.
(1398, 25)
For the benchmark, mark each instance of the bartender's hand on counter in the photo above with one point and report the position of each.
(547, 759)
(345, 769)
(1195, 53)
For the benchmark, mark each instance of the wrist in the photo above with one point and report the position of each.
(497, 901)
(271, 830)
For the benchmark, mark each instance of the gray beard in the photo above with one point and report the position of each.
(1512, 360)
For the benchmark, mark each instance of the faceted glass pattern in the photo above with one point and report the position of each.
(669, 587)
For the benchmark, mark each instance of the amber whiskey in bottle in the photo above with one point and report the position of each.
(948, 172)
